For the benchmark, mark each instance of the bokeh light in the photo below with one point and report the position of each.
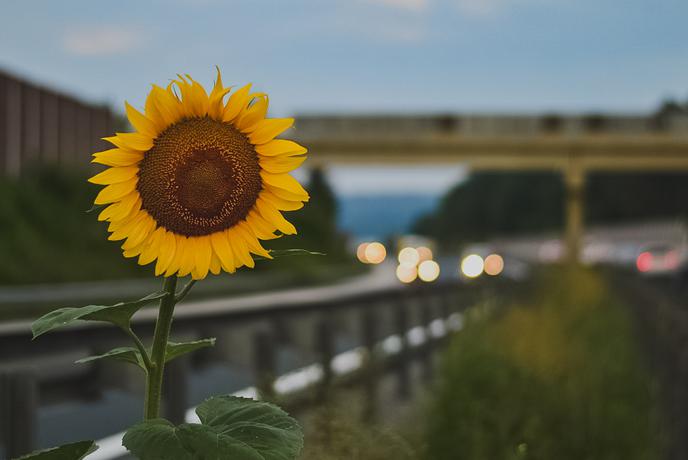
(472, 266)
(360, 252)
(428, 271)
(375, 253)
(406, 273)
(644, 262)
(409, 257)
(494, 264)
(424, 253)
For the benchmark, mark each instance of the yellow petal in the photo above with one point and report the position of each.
(272, 215)
(194, 97)
(261, 227)
(114, 175)
(122, 230)
(267, 130)
(117, 157)
(139, 121)
(216, 106)
(202, 255)
(167, 251)
(215, 265)
(253, 245)
(280, 203)
(236, 103)
(240, 250)
(115, 192)
(255, 113)
(188, 261)
(151, 247)
(153, 114)
(118, 211)
(167, 105)
(279, 147)
(285, 182)
(175, 264)
(284, 194)
(131, 141)
(139, 232)
(281, 165)
(222, 248)
(129, 253)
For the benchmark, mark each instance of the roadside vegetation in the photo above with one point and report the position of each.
(559, 376)
(47, 236)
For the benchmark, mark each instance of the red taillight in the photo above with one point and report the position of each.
(644, 262)
(671, 260)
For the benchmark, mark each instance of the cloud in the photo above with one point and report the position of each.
(100, 40)
(409, 5)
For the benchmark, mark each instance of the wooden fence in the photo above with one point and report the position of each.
(42, 126)
(388, 329)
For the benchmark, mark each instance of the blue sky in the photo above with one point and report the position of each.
(363, 55)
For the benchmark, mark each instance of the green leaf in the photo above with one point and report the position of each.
(133, 355)
(277, 253)
(262, 425)
(126, 354)
(73, 451)
(155, 440)
(232, 427)
(96, 207)
(174, 350)
(206, 442)
(119, 314)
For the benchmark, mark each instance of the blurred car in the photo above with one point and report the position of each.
(661, 259)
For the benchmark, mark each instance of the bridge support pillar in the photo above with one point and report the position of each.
(574, 179)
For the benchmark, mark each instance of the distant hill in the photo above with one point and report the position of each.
(377, 216)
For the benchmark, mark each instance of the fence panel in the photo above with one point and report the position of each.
(41, 126)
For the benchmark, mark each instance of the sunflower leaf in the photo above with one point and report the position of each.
(95, 207)
(119, 314)
(175, 350)
(231, 427)
(126, 354)
(72, 451)
(277, 253)
(155, 439)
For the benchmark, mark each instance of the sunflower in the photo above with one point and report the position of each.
(201, 181)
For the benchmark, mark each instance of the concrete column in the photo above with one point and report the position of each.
(574, 178)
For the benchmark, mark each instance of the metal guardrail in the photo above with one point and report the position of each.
(387, 329)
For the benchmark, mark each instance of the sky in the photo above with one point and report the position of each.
(363, 56)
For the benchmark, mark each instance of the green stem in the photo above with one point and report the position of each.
(162, 334)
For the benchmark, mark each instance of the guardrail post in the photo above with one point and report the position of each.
(19, 404)
(426, 349)
(325, 349)
(176, 389)
(265, 364)
(402, 327)
(369, 336)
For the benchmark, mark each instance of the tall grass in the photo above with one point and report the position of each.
(556, 378)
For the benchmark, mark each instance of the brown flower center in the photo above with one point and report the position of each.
(201, 176)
